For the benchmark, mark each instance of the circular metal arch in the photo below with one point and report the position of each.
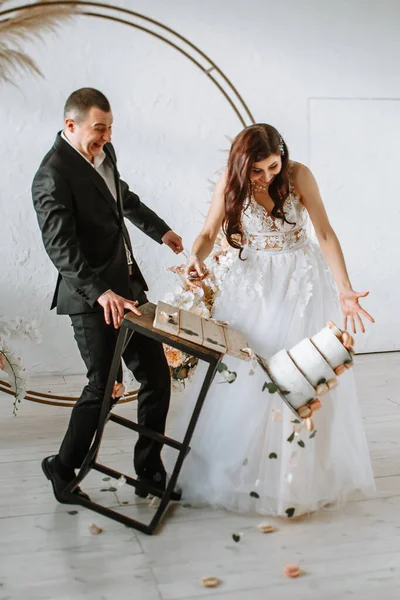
(183, 46)
(160, 31)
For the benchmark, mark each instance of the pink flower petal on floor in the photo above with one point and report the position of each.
(210, 582)
(266, 528)
(292, 571)
(94, 529)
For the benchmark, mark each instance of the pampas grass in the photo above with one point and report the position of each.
(25, 25)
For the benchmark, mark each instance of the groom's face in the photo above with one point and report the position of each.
(90, 132)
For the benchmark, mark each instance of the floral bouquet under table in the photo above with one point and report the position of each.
(181, 366)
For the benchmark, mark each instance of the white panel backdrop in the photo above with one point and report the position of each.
(358, 175)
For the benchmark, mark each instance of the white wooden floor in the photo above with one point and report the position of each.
(47, 552)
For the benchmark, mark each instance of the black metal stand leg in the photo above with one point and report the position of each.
(166, 498)
(123, 339)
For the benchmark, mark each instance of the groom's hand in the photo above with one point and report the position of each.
(114, 307)
(173, 241)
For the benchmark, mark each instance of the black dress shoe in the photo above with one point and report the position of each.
(59, 484)
(156, 481)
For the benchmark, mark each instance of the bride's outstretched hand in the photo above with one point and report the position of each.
(352, 310)
(195, 269)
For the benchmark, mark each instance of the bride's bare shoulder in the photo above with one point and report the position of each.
(298, 169)
(301, 176)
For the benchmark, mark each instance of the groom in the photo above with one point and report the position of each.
(81, 202)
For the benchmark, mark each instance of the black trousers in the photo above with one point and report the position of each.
(145, 358)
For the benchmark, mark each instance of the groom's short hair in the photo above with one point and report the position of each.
(82, 100)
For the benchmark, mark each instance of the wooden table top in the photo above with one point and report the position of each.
(145, 322)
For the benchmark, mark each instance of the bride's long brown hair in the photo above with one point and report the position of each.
(253, 144)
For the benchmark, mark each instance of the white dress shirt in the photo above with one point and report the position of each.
(102, 165)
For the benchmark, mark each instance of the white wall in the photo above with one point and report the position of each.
(357, 173)
(172, 127)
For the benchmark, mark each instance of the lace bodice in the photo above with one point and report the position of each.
(264, 232)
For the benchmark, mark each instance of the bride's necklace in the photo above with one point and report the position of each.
(259, 187)
(263, 188)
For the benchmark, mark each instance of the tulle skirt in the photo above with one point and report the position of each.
(247, 454)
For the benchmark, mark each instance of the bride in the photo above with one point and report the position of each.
(247, 453)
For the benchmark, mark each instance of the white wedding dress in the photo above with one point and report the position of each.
(281, 293)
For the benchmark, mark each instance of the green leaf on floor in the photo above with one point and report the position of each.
(72, 512)
(245, 462)
(254, 495)
(106, 478)
(313, 434)
(291, 438)
(290, 512)
(236, 537)
(301, 444)
(321, 381)
(271, 387)
(273, 455)
(296, 421)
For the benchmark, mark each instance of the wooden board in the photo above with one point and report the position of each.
(190, 327)
(167, 318)
(213, 336)
(236, 343)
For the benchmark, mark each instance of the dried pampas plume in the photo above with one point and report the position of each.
(25, 25)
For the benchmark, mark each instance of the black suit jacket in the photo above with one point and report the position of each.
(83, 229)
